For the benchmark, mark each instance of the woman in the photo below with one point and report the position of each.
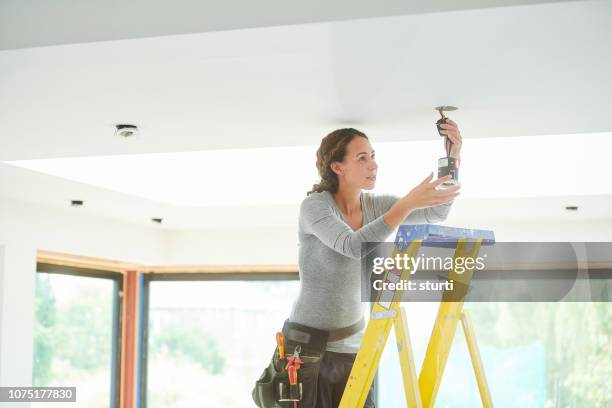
(335, 218)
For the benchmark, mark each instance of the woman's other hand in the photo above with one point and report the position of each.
(427, 194)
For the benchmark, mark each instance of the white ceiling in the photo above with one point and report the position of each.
(513, 71)
(31, 23)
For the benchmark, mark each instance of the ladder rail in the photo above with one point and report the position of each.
(406, 358)
(479, 371)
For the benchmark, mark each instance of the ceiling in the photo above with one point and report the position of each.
(225, 76)
(31, 23)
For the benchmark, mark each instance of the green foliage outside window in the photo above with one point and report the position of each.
(181, 340)
(576, 338)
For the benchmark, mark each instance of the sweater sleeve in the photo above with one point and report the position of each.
(428, 215)
(318, 218)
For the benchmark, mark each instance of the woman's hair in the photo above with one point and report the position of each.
(332, 149)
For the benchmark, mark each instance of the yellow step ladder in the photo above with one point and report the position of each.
(387, 312)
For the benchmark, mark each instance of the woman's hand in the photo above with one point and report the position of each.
(451, 130)
(426, 194)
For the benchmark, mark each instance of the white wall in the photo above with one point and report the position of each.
(25, 228)
(17, 311)
(589, 230)
(279, 245)
(249, 246)
(71, 232)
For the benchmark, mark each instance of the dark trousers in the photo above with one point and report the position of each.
(333, 376)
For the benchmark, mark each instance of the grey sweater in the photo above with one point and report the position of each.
(329, 260)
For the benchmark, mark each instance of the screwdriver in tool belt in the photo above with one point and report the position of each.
(280, 342)
(292, 374)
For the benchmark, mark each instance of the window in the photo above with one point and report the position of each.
(77, 333)
(209, 337)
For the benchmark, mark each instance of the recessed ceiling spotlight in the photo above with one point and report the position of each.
(126, 131)
(157, 220)
(571, 208)
(76, 203)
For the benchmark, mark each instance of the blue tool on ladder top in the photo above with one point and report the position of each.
(439, 235)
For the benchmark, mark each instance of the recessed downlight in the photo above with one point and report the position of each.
(571, 207)
(76, 203)
(157, 220)
(126, 131)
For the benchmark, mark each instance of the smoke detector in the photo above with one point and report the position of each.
(126, 131)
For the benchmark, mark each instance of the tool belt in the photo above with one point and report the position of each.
(273, 388)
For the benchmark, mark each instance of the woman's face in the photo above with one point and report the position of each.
(358, 169)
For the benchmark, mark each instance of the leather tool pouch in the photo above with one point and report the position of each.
(272, 389)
